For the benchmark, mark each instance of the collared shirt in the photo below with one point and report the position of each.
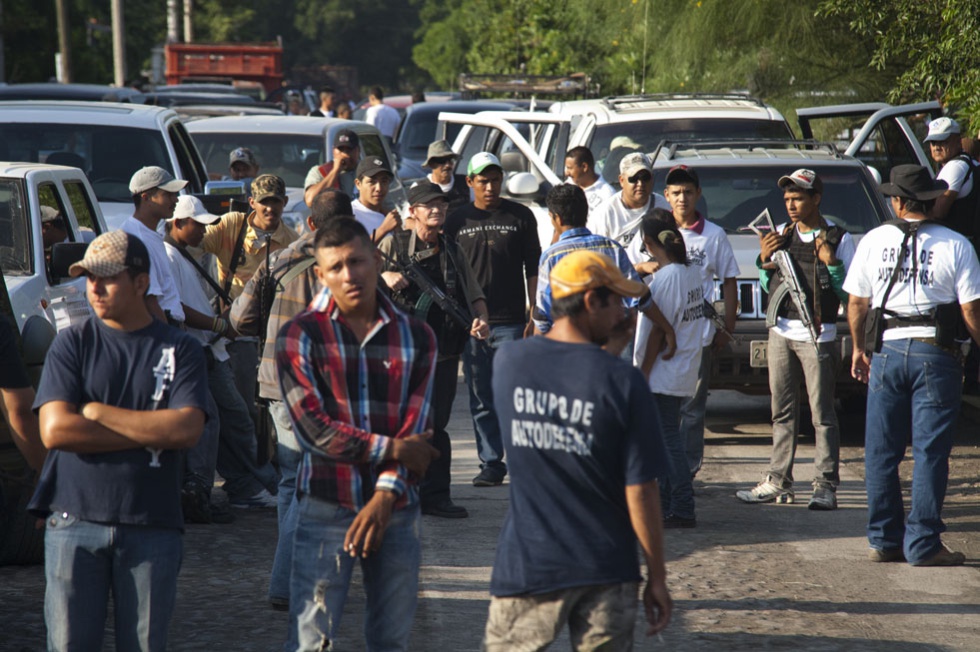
(220, 239)
(290, 300)
(569, 241)
(348, 400)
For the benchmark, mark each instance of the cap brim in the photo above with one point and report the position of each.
(624, 287)
(101, 270)
(935, 137)
(630, 171)
(425, 199)
(483, 168)
(173, 186)
(790, 181)
(891, 190)
(261, 197)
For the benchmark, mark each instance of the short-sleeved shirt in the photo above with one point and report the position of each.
(370, 218)
(613, 219)
(597, 193)
(162, 284)
(677, 291)
(192, 294)
(954, 173)
(220, 239)
(572, 447)
(13, 374)
(502, 247)
(156, 367)
(947, 271)
(383, 117)
(346, 179)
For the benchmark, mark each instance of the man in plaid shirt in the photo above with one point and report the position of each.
(356, 375)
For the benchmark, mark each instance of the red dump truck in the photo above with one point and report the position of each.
(222, 62)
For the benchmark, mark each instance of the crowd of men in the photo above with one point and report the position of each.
(349, 339)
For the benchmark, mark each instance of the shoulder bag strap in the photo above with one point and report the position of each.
(222, 293)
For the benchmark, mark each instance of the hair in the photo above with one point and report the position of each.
(339, 231)
(574, 304)
(378, 92)
(328, 205)
(800, 189)
(137, 200)
(581, 155)
(918, 205)
(666, 233)
(418, 97)
(344, 108)
(326, 90)
(568, 202)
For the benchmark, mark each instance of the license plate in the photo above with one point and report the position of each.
(759, 353)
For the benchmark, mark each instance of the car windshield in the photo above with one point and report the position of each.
(109, 155)
(289, 156)
(733, 196)
(419, 130)
(15, 233)
(612, 141)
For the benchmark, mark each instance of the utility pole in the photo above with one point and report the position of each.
(64, 41)
(173, 11)
(118, 44)
(188, 21)
(3, 76)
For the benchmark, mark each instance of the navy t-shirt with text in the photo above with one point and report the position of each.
(578, 426)
(157, 367)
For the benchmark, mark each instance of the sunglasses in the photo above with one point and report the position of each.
(644, 177)
(439, 162)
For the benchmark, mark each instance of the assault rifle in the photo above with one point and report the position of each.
(719, 322)
(790, 286)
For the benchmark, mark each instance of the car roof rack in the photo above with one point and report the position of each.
(619, 102)
(671, 146)
(473, 86)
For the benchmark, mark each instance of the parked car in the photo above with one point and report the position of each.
(107, 141)
(67, 92)
(287, 146)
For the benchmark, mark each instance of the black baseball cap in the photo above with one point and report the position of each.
(682, 174)
(370, 166)
(423, 193)
(346, 138)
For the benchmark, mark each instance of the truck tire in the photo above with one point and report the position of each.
(21, 542)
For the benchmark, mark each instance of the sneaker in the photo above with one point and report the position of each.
(221, 513)
(445, 509)
(673, 521)
(823, 499)
(945, 557)
(261, 500)
(279, 604)
(489, 477)
(766, 491)
(195, 504)
(886, 555)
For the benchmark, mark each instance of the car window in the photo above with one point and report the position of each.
(16, 253)
(287, 156)
(49, 196)
(186, 157)
(109, 155)
(84, 211)
(371, 146)
(734, 196)
(474, 144)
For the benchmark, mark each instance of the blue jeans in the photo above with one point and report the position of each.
(289, 455)
(202, 458)
(478, 372)
(85, 562)
(237, 448)
(692, 414)
(322, 572)
(676, 490)
(913, 392)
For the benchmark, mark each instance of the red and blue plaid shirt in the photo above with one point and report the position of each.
(348, 399)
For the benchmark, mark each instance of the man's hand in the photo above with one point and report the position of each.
(720, 341)
(670, 345)
(769, 244)
(647, 268)
(344, 161)
(529, 329)
(825, 252)
(860, 366)
(480, 329)
(415, 452)
(367, 531)
(658, 606)
(395, 280)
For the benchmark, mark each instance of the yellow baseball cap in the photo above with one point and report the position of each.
(584, 270)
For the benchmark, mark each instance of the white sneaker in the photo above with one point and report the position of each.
(766, 491)
(261, 500)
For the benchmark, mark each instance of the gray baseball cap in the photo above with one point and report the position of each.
(152, 177)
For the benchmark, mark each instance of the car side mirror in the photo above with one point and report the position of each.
(875, 174)
(523, 184)
(64, 255)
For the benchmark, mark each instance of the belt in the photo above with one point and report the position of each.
(954, 351)
(899, 322)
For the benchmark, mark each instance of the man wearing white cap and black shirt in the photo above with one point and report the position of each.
(499, 238)
(821, 253)
(915, 278)
(619, 216)
(338, 173)
(372, 180)
(154, 192)
(957, 207)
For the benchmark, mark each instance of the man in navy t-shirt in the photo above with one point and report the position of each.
(119, 395)
(584, 446)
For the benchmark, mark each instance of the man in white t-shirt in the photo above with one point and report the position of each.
(580, 170)
(708, 250)
(619, 216)
(154, 192)
(372, 180)
(957, 206)
(914, 374)
(820, 253)
(382, 116)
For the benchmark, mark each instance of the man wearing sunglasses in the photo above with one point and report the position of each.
(619, 216)
(442, 161)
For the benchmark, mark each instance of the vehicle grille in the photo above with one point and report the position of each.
(751, 299)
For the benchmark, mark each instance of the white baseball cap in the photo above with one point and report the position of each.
(481, 162)
(190, 207)
(942, 128)
(152, 177)
(633, 163)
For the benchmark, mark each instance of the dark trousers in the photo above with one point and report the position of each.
(435, 485)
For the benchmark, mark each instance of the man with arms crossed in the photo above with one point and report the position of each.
(356, 374)
(584, 457)
(120, 393)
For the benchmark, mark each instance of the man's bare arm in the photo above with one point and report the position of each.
(643, 502)
(24, 430)
(64, 428)
(168, 429)
(971, 315)
(943, 203)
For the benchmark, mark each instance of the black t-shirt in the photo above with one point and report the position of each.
(502, 248)
(13, 375)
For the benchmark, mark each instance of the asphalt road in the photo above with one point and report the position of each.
(750, 577)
